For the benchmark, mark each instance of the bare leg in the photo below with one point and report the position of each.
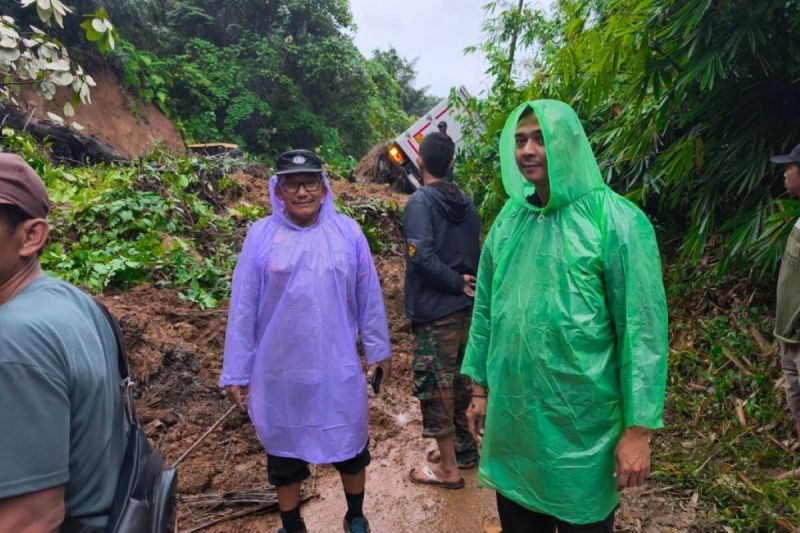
(354, 483)
(288, 496)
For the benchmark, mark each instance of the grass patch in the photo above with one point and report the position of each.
(727, 426)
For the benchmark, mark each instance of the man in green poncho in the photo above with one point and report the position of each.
(568, 345)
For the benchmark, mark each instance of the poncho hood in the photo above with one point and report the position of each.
(571, 166)
(449, 200)
(279, 206)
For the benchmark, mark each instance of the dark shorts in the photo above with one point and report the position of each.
(514, 518)
(287, 470)
(444, 393)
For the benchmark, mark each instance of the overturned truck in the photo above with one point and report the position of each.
(395, 162)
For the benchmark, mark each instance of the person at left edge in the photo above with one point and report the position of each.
(63, 424)
(304, 289)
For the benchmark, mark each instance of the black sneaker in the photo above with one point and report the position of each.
(358, 524)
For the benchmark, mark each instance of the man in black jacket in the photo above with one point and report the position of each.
(442, 232)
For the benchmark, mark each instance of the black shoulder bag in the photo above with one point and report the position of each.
(145, 497)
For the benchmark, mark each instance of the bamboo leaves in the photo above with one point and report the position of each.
(684, 103)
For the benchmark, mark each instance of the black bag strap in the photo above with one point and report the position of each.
(126, 383)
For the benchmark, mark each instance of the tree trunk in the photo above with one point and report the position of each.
(66, 143)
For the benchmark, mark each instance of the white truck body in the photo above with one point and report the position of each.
(405, 150)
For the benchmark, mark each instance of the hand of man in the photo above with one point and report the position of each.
(469, 285)
(476, 416)
(632, 458)
(238, 395)
(386, 365)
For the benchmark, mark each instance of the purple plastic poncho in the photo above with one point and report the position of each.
(300, 297)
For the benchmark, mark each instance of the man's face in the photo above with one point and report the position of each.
(529, 150)
(302, 204)
(18, 245)
(9, 251)
(791, 179)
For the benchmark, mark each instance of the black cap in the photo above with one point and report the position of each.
(791, 157)
(298, 161)
(442, 124)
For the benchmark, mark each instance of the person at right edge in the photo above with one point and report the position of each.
(787, 311)
(442, 232)
(568, 345)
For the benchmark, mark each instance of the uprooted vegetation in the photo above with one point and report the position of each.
(173, 222)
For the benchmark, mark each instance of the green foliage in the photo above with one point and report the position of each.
(99, 30)
(145, 74)
(718, 367)
(175, 222)
(415, 102)
(29, 56)
(377, 220)
(268, 77)
(157, 220)
(684, 103)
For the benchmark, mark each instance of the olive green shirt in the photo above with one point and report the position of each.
(61, 420)
(787, 315)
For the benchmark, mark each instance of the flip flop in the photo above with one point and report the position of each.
(435, 459)
(431, 479)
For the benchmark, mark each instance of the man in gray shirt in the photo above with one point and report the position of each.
(63, 425)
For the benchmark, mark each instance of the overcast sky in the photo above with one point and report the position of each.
(435, 31)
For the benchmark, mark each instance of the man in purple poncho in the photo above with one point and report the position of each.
(304, 288)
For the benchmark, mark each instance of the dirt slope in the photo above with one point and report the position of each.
(114, 117)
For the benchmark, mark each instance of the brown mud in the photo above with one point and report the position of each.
(114, 116)
(176, 354)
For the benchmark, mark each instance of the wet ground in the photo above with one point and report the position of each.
(176, 354)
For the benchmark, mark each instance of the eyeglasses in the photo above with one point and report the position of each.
(292, 187)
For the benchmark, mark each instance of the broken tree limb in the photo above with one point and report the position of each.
(245, 497)
(266, 502)
(740, 412)
(258, 509)
(208, 432)
(764, 346)
(733, 358)
(779, 444)
(66, 143)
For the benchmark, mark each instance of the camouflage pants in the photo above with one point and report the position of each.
(443, 392)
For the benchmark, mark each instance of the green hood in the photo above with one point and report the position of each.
(571, 165)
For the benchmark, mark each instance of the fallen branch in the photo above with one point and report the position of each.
(258, 509)
(208, 432)
(67, 143)
(740, 412)
(267, 501)
(230, 498)
(702, 466)
(779, 444)
(736, 361)
(764, 345)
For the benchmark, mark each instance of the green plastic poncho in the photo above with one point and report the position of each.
(569, 332)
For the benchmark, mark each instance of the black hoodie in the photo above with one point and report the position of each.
(442, 232)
